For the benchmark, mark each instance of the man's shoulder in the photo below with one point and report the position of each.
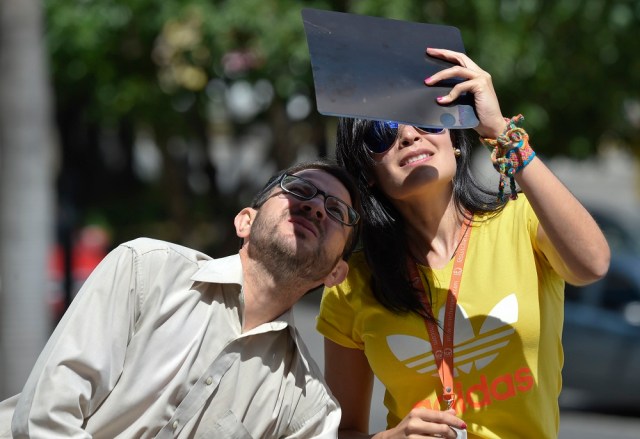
(145, 246)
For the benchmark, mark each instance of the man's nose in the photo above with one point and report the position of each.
(315, 206)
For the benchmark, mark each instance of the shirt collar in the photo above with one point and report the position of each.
(229, 270)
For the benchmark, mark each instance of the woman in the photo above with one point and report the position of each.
(474, 343)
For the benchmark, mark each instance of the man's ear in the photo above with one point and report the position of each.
(243, 221)
(338, 274)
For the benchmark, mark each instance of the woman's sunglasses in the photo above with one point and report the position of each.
(382, 135)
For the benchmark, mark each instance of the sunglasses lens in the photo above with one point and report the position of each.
(381, 136)
(431, 130)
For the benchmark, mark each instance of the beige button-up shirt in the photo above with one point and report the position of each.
(152, 347)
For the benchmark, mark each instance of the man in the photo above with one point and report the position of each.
(164, 341)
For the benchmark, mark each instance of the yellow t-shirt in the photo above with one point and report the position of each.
(507, 340)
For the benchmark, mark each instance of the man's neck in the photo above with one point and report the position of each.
(265, 298)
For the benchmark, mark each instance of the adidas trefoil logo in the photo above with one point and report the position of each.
(469, 349)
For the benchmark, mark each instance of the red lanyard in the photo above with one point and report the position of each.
(443, 349)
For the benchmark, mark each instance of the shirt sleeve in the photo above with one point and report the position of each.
(526, 212)
(337, 318)
(84, 357)
(321, 421)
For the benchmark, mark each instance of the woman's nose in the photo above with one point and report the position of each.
(407, 136)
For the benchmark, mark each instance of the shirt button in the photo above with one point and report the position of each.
(209, 381)
(175, 424)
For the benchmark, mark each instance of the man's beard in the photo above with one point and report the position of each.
(286, 261)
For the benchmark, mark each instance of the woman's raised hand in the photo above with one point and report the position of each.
(478, 82)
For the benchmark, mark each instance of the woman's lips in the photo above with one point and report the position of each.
(414, 158)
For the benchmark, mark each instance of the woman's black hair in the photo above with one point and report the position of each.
(383, 235)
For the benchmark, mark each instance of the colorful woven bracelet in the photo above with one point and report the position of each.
(510, 153)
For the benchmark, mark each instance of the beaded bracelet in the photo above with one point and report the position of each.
(510, 153)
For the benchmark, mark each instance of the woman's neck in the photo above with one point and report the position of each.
(432, 230)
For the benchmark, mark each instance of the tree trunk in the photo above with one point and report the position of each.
(26, 187)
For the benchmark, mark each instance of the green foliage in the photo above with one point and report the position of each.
(555, 63)
(134, 57)
(570, 66)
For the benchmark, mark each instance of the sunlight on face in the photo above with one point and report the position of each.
(297, 238)
(416, 163)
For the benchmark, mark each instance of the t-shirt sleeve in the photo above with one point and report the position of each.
(525, 211)
(337, 317)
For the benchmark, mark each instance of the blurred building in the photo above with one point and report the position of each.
(608, 181)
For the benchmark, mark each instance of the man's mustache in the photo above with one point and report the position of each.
(308, 216)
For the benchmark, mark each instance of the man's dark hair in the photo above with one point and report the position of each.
(332, 168)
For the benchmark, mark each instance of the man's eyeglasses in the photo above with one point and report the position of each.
(305, 190)
(383, 134)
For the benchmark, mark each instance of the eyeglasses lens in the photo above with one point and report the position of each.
(305, 190)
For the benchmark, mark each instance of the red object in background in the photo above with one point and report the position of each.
(90, 247)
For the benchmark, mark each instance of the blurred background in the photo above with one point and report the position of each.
(128, 118)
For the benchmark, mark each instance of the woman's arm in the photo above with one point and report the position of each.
(568, 235)
(350, 379)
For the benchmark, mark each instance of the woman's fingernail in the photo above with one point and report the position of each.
(427, 80)
(439, 98)
(464, 426)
